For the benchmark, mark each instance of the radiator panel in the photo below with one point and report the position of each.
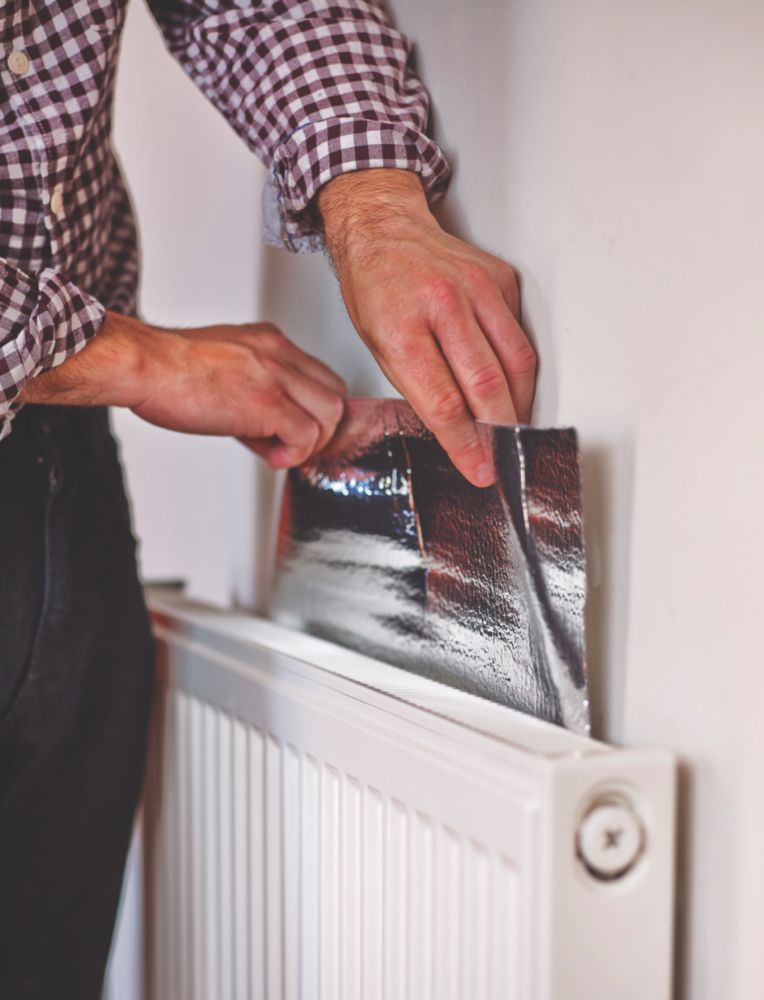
(310, 838)
(365, 896)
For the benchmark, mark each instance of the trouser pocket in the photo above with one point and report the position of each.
(28, 488)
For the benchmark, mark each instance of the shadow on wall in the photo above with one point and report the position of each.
(603, 470)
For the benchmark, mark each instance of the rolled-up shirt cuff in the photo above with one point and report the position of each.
(319, 151)
(44, 321)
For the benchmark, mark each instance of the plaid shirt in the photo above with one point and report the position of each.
(314, 87)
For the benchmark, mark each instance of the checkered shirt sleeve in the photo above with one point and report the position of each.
(316, 88)
(43, 321)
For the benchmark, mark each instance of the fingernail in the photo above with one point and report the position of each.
(484, 474)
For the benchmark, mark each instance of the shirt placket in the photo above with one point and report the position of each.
(23, 60)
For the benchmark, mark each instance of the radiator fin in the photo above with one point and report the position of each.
(240, 858)
(278, 876)
(256, 867)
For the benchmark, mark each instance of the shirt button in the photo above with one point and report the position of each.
(18, 63)
(57, 202)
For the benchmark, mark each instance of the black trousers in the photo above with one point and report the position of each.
(75, 684)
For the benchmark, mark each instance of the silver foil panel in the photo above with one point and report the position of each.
(384, 547)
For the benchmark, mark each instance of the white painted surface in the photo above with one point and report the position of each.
(125, 974)
(350, 830)
(196, 190)
(614, 153)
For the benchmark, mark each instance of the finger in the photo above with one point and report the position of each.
(273, 451)
(276, 454)
(297, 431)
(475, 365)
(324, 404)
(317, 370)
(514, 350)
(259, 445)
(278, 346)
(269, 340)
(509, 288)
(419, 370)
(282, 456)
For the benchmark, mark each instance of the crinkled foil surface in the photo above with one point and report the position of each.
(384, 547)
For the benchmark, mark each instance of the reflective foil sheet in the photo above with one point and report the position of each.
(384, 547)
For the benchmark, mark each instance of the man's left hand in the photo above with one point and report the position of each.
(439, 315)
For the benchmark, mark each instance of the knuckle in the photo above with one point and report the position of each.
(270, 340)
(472, 451)
(329, 418)
(509, 284)
(469, 455)
(339, 409)
(523, 360)
(398, 344)
(387, 334)
(266, 365)
(477, 276)
(240, 361)
(327, 426)
(310, 436)
(447, 407)
(224, 350)
(488, 381)
(271, 397)
(440, 293)
(308, 432)
(263, 375)
(507, 273)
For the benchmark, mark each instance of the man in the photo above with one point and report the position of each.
(322, 92)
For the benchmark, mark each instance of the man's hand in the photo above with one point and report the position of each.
(439, 315)
(246, 381)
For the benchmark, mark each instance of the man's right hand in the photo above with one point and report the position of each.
(244, 381)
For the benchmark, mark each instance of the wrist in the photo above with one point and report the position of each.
(113, 369)
(364, 203)
(129, 359)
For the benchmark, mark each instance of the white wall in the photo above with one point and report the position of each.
(614, 153)
(196, 190)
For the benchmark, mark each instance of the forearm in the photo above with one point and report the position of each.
(247, 381)
(112, 370)
(357, 207)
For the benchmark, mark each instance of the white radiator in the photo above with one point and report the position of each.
(324, 827)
